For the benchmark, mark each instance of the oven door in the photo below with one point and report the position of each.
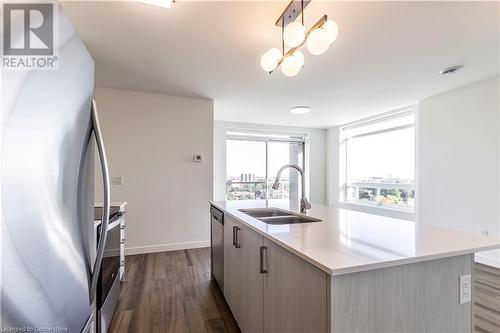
(108, 286)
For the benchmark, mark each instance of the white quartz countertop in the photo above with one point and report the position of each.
(347, 241)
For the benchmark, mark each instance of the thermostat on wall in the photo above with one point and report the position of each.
(197, 158)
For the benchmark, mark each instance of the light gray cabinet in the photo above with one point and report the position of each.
(295, 293)
(242, 278)
(250, 291)
(268, 288)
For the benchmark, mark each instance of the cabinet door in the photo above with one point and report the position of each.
(295, 293)
(250, 281)
(230, 260)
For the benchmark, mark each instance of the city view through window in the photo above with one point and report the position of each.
(251, 171)
(380, 163)
(377, 160)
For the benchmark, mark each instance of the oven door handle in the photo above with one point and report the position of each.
(105, 210)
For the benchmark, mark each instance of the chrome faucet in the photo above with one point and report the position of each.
(304, 203)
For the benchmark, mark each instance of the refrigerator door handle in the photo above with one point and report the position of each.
(105, 211)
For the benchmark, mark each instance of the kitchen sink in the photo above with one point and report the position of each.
(265, 212)
(278, 216)
(291, 219)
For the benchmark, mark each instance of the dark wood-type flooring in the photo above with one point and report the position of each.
(171, 292)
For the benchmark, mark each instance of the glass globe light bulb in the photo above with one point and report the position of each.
(318, 41)
(299, 57)
(270, 59)
(292, 64)
(294, 34)
(332, 29)
(275, 52)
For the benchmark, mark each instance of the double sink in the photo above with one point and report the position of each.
(278, 216)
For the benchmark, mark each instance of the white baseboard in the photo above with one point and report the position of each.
(166, 247)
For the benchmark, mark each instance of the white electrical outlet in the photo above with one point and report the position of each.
(465, 289)
(117, 180)
(484, 232)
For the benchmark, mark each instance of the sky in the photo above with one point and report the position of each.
(250, 157)
(382, 155)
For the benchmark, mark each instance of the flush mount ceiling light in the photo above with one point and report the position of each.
(159, 3)
(294, 35)
(300, 109)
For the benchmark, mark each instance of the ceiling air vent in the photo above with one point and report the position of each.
(449, 70)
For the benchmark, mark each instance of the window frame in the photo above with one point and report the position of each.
(267, 137)
(406, 213)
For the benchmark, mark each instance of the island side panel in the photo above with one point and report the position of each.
(419, 297)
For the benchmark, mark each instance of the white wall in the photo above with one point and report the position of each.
(150, 140)
(317, 158)
(459, 160)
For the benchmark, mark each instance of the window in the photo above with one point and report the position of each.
(253, 161)
(379, 160)
(246, 170)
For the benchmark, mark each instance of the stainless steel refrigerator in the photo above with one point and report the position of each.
(49, 136)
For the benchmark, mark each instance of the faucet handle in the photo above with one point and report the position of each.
(307, 203)
(304, 204)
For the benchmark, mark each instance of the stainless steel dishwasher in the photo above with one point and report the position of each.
(217, 245)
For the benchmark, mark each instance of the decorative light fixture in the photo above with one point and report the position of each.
(300, 109)
(294, 35)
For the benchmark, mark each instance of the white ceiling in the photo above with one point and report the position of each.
(387, 55)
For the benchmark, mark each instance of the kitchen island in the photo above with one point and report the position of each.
(349, 272)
